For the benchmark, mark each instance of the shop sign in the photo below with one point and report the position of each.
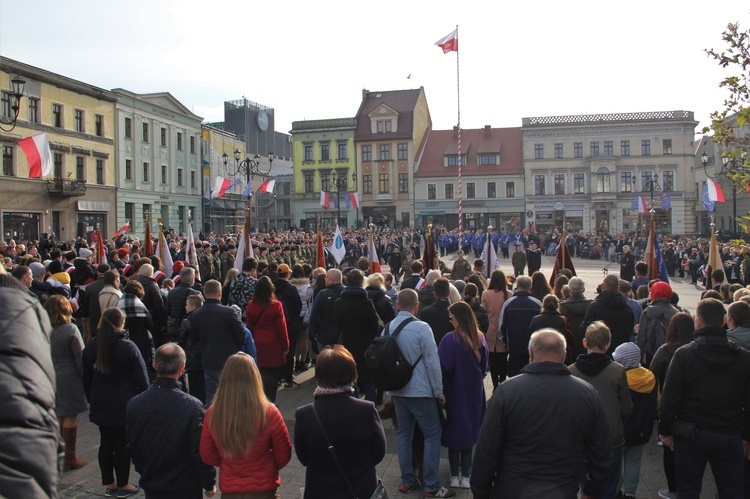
(563, 206)
(574, 213)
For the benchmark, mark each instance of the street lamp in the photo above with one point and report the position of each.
(12, 104)
(730, 167)
(650, 185)
(340, 183)
(247, 167)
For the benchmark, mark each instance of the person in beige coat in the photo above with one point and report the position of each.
(492, 300)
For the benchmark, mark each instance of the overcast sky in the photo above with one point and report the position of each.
(311, 60)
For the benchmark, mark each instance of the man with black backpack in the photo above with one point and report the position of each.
(419, 399)
(652, 328)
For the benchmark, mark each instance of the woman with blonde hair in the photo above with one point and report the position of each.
(375, 287)
(67, 355)
(244, 434)
(227, 285)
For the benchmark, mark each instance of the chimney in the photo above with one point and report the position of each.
(487, 132)
(365, 93)
(455, 132)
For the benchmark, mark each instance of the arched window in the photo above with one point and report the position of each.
(603, 180)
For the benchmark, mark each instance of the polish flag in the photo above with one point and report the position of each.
(449, 43)
(325, 200)
(639, 205)
(123, 229)
(714, 191)
(267, 186)
(220, 187)
(38, 155)
(372, 252)
(354, 198)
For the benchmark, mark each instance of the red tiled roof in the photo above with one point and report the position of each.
(505, 141)
(401, 101)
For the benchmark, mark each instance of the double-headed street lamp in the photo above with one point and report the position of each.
(12, 104)
(247, 167)
(730, 167)
(651, 185)
(339, 184)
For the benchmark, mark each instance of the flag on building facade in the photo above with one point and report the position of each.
(221, 186)
(267, 186)
(325, 200)
(248, 189)
(639, 205)
(38, 155)
(714, 191)
(338, 250)
(707, 203)
(666, 202)
(449, 43)
(354, 199)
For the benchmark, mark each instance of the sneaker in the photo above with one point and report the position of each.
(408, 489)
(110, 492)
(465, 483)
(441, 492)
(455, 482)
(289, 385)
(129, 493)
(666, 494)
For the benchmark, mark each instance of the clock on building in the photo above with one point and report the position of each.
(263, 121)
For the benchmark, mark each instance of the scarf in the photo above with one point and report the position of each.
(319, 390)
(132, 306)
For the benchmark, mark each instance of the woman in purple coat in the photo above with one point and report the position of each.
(463, 359)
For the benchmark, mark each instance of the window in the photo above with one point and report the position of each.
(164, 137)
(128, 169)
(342, 150)
(667, 145)
(380, 127)
(624, 148)
(309, 180)
(448, 191)
(558, 151)
(602, 180)
(308, 152)
(403, 182)
(491, 190)
(129, 207)
(8, 170)
(488, 159)
(325, 151)
(367, 184)
(646, 179)
(7, 111)
(539, 185)
(79, 123)
(538, 151)
(384, 183)
(179, 141)
(100, 171)
(179, 177)
(431, 191)
(609, 149)
(366, 153)
(626, 182)
(510, 189)
(163, 174)
(57, 115)
(99, 125)
(145, 132)
(128, 128)
(388, 125)
(471, 190)
(453, 160)
(578, 149)
(645, 148)
(667, 181)
(403, 151)
(192, 180)
(80, 168)
(33, 110)
(559, 183)
(385, 152)
(146, 170)
(579, 183)
(594, 149)
(58, 165)
(325, 182)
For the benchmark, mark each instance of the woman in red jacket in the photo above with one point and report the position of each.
(265, 320)
(244, 434)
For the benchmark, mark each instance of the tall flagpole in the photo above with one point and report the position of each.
(460, 161)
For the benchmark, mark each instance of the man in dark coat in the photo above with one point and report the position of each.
(358, 322)
(289, 298)
(176, 303)
(533, 258)
(164, 429)
(627, 264)
(515, 318)
(612, 308)
(508, 463)
(416, 274)
(324, 327)
(436, 315)
(91, 295)
(220, 333)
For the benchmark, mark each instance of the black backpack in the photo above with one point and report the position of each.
(387, 363)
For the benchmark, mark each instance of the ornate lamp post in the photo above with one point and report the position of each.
(12, 105)
(339, 184)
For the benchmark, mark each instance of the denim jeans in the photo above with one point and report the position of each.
(464, 457)
(724, 452)
(631, 468)
(424, 411)
(610, 488)
(212, 381)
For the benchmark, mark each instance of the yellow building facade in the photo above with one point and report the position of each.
(225, 214)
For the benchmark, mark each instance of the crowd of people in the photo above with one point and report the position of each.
(180, 368)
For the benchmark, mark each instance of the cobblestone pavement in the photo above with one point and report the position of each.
(86, 482)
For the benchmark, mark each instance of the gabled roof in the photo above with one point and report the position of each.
(161, 99)
(507, 142)
(401, 101)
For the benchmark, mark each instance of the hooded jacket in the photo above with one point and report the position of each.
(323, 324)
(574, 309)
(289, 297)
(358, 322)
(708, 383)
(610, 381)
(643, 389)
(661, 310)
(383, 304)
(613, 309)
(515, 317)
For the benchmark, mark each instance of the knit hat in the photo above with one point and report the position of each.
(177, 266)
(628, 355)
(85, 252)
(661, 290)
(37, 269)
(55, 267)
(123, 252)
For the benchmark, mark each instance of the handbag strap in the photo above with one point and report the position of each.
(332, 450)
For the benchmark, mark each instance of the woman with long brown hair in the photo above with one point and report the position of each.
(492, 300)
(539, 286)
(244, 434)
(67, 355)
(463, 360)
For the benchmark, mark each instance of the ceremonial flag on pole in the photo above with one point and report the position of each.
(449, 43)
(660, 263)
(639, 205)
(714, 258)
(372, 252)
(239, 257)
(649, 256)
(123, 229)
(320, 252)
(101, 254)
(38, 155)
(338, 250)
(489, 255)
(148, 245)
(162, 251)
(429, 254)
(192, 254)
(714, 191)
(562, 260)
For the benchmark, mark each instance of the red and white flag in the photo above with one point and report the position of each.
(354, 198)
(715, 193)
(372, 252)
(267, 186)
(38, 155)
(325, 200)
(123, 229)
(449, 43)
(220, 187)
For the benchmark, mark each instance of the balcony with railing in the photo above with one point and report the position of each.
(66, 187)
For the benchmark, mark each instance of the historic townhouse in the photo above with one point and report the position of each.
(587, 169)
(78, 117)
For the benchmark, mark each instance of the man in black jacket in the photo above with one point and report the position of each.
(703, 414)
(91, 296)
(533, 258)
(289, 298)
(612, 308)
(436, 315)
(220, 333)
(176, 303)
(164, 431)
(416, 274)
(324, 327)
(515, 317)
